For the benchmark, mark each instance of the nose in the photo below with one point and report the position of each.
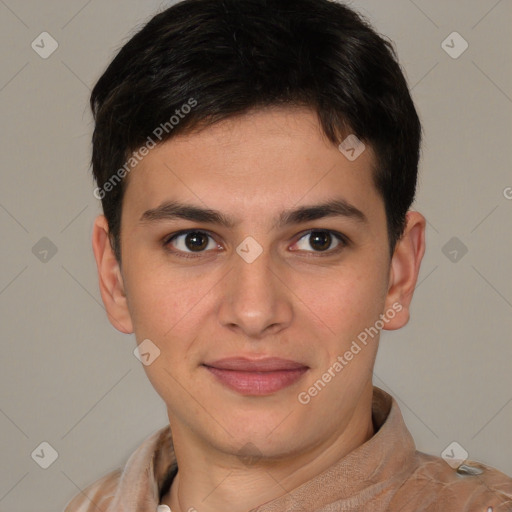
(255, 300)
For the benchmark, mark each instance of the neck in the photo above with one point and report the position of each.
(210, 481)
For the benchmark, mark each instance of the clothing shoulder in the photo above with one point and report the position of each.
(97, 496)
(472, 487)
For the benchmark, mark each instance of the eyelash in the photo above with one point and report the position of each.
(342, 239)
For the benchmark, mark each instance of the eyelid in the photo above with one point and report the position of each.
(176, 234)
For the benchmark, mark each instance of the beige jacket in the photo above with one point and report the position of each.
(384, 474)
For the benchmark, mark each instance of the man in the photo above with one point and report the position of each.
(256, 162)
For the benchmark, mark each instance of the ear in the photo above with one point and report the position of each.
(404, 270)
(110, 278)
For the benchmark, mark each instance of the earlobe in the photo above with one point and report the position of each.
(110, 278)
(404, 270)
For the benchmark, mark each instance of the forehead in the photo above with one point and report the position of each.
(255, 163)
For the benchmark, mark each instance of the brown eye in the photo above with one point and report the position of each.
(191, 241)
(321, 241)
(196, 241)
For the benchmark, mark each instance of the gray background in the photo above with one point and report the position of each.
(68, 378)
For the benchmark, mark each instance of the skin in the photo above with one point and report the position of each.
(294, 301)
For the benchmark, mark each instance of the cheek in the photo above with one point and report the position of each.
(159, 301)
(164, 309)
(349, 300)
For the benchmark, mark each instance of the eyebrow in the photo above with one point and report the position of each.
(171, 210)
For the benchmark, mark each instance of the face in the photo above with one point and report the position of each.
(254, 256)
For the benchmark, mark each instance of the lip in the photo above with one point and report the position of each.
(256, 377)
(244, 364)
